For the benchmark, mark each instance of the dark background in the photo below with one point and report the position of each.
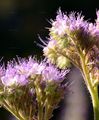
(22, 20)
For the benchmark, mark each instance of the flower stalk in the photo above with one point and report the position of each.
(12, 111)
(46, 112)
(40, 111)
(92, 90)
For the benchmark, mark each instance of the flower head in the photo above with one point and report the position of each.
(11, 76)
(51, 73)
(27, 83)
(59, 25)
(21, 72)
(65, 24)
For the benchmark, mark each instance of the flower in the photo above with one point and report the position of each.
(20, 73)
(72, 28)
(27, 83)
(65, 24)
(9, 77)
(69, 35)
(51, 73)
(93, 29)
(28, 67)
(59, 25)
(12, 77)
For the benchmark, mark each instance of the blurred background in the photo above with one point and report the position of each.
(20, 23)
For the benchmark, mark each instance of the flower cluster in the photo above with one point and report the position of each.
(75, 40)
(65, 24)
(69, 36)
(68, 24)
(27, 86)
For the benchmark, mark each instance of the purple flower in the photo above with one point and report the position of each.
(77, 22)
(59, 25)
(12, 77)
(65, 24)
(51, 73)
(20, 73)
(94, 28)
(9, 77)
(15, 74)
(27, 67)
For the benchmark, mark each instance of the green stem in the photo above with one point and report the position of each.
(93, 91)
(95, 102)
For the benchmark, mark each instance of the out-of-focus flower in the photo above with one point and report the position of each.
(12, 77)
(50, 73)
(19, 74)
(27, 85)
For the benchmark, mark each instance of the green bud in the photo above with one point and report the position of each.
(63, 62)
(63, 43)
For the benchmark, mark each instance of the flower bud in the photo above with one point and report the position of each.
(63, 62)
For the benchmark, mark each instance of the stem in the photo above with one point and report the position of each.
(95, 101)
(40, 111)
(6, 106)
(46, 112)
(93, 91)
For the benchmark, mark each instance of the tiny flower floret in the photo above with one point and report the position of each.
(59, 26)
(11, 76)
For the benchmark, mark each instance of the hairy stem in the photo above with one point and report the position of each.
(92, 90)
